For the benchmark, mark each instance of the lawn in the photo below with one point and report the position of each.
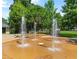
(71, 34)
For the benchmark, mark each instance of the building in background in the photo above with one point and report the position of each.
(5, 27)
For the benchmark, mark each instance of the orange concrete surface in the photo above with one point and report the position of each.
(36, 51)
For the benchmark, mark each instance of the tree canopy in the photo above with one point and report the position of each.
(41, 15)
(69, 20)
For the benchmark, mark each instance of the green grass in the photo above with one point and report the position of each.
(68, 34)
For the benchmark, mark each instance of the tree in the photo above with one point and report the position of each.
(69, 20)
(17, 11)
(50, 14)
(25, 2)
(59, 19)
(33, 13)
(36, 14)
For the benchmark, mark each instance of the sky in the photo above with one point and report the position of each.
(6, 4)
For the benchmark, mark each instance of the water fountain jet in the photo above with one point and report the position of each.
(35, 39)
(54, 35)
(35, 24)
(23, 33)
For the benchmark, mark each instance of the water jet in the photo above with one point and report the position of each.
(23, 33)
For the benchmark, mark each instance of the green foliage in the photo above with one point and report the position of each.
(69, 20)
(33, 13)
(68, 34)
(50, 13)
(17, 11)
(25, 2)
(59, 19)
